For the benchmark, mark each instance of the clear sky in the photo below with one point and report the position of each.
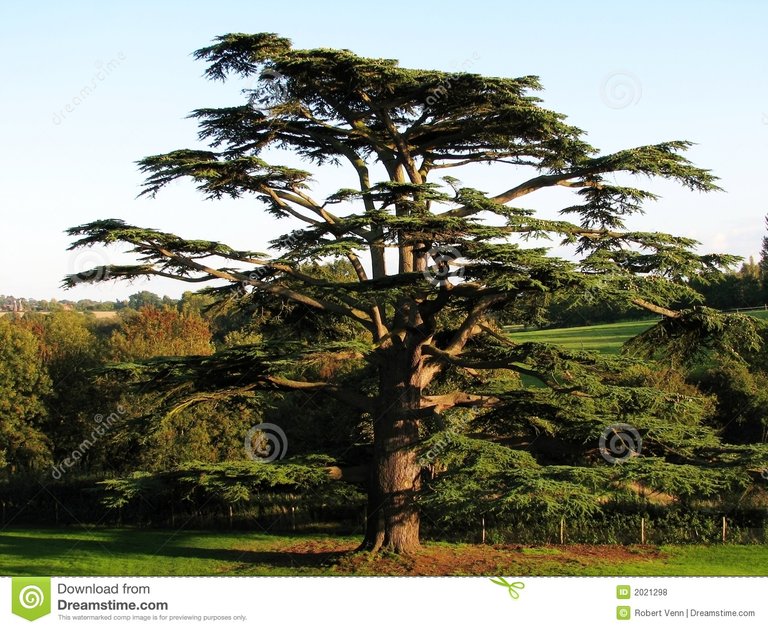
(627, 73)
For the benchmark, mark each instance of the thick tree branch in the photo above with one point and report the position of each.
(446, 401)
(465, 363)
(659, 310)
(271, 287)
(361, 402)
(536, 183)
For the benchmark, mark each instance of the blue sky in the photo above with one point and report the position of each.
(628, 74)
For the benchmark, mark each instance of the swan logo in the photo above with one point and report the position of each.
(31, 597)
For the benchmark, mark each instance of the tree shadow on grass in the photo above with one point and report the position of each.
(109, 549)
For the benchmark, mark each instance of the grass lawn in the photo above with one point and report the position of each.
(134, 552)
(606, 338)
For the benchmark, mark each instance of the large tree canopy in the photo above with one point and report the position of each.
(430, 315)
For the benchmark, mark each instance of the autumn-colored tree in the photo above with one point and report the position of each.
(153, 332)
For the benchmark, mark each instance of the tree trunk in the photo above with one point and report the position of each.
(374, 514)
(393, 515)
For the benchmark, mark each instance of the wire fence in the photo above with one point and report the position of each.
(633, 531)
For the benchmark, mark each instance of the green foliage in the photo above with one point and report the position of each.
(304, 481)
(483, 478)
(742, 400)
(24, 386)
(697, 333)
(144, 299)
(71, 350)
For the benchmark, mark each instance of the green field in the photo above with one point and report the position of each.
(606, 338)
(136, 552)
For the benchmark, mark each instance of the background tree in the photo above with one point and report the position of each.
(155, 332)
(431, 312)
(143, 299)
(764, 252)
(745, 288)
(24, 386)
(69, 351)
(764, 264)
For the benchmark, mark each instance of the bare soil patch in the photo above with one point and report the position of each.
(464, 559)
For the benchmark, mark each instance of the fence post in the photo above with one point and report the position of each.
(725, 527)
(642, 531)
(482, 520)
(562, 530)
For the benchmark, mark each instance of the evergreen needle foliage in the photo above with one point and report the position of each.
(427, 341)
